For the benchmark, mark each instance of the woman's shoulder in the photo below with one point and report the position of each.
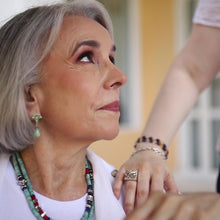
(101, 168)
(104, 195)
(4, 158)
(97, 160)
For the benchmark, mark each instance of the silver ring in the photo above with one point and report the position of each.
(131, 175)
(114, 173)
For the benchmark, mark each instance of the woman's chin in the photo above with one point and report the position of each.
(112, 134)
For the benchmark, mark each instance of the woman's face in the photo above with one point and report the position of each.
(79, 90)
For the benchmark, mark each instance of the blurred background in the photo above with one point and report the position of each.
(148, 35)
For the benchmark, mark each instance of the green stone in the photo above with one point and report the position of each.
(37, 133)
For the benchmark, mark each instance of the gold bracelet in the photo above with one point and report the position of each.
(144, 148)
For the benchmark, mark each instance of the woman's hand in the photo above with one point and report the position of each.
(153, 175)
(199, 206)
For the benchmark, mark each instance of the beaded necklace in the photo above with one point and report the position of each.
(25, 184)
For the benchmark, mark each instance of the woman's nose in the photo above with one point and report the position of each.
(115, 78)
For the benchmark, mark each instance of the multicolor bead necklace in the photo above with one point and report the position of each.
(25, 184)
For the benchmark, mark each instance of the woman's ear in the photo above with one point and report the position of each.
(31, 101)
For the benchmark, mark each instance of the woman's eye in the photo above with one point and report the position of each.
(86, 57)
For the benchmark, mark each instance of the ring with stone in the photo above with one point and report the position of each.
(131, 175)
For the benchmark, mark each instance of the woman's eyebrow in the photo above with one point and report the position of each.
(91, 43)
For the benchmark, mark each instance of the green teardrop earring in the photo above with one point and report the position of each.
(36, 118)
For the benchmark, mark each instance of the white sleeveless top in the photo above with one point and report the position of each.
(207, 13)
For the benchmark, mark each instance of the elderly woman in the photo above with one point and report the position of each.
(59, 92)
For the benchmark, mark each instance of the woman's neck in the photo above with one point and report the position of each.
(58, 173)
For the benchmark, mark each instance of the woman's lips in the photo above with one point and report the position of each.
(114, 106)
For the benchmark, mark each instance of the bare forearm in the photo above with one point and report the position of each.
(175, 100)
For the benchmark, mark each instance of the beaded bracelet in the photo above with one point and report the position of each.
(155, 149)
(151, 140)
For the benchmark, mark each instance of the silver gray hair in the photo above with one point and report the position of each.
(25, 41)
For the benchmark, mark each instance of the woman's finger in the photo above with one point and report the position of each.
(130, 194)
(170, 184)
(143, 185)
(157, 180)
(118, 183)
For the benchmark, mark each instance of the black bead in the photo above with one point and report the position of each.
(164, 147)
(151, 139)
(157, 141)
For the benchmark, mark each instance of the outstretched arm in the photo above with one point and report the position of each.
(169, 206)
(190, 73)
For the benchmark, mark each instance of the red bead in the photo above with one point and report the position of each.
(36, 203)
(87, 171)
(46, 217)
(33, 197)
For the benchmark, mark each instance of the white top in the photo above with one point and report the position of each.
(13, 204)
(208, 13)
